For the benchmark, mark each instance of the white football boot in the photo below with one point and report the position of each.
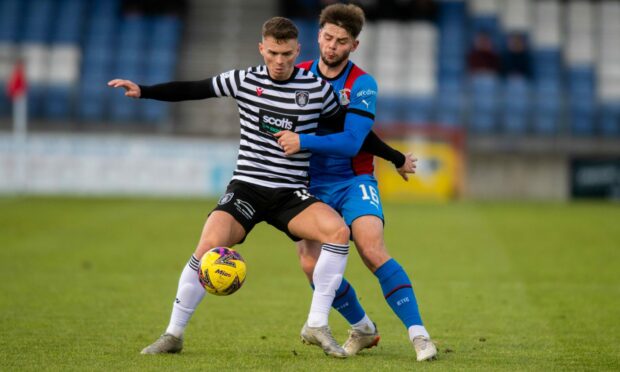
(424, 348)
(322, 337)
(166, 343)
(359, 340)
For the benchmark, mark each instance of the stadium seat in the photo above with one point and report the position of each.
(417, 110)
(389, 110)
(10, 19)
(516, 106)
(165, 31)
(483, 103)
(58, 101)
(69, 22)
(610, 119)
(547, 102)
(308, 33)
(63, 76)
(581, 100)
(38, 21)
(5, 103)
(546, 63)
(449, 104)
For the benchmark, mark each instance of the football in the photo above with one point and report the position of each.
(222, 271)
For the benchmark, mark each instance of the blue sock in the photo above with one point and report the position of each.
(398, 292)
(347, 304)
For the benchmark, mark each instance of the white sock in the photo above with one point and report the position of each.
(327, 277)
(365, 325)
(417, 330)
(189, 294)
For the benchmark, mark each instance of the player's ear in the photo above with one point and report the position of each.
(356, 43)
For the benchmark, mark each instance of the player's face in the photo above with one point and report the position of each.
(335, 44)
(279, 56)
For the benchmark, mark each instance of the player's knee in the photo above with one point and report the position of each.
(339, 234)
(373, 253)
(203, 246)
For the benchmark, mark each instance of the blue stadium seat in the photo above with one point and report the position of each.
(610, 119)
(389, 110)
(581, 115)
(308, 31)
(450, 11)
(417, 110)
(36, 99)
(484, 89)
(160, 67)
(581, 99)
(546, 64)
(105, 8)
(10, 19)
(58, 100)
(165, 31)
(450, 104)
(5, 104)
(38, 21)
(93, 95)
(154, 112)
(68, 25)
(516, 106)
(547, 103)
(133, 33)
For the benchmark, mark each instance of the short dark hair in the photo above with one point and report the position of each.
(280, 28)
(350, 17)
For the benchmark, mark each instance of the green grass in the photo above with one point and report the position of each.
(85, 283)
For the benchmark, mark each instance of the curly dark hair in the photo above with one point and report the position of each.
(350, 17)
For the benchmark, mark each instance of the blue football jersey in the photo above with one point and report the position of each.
(357, 91)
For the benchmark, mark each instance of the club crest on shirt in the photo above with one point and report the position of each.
(226, 198)
(302, 97)
(344, 96)
(259, 91)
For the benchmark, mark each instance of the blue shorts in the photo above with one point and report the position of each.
(352, 198)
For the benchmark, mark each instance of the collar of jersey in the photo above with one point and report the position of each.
(344, 70)
(295, 70)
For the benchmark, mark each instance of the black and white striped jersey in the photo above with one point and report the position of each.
(267, 106)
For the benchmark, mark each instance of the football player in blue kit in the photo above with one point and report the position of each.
(348, 185)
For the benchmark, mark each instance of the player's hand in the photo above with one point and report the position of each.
(409, 166)
(289, 141)
(131, 89)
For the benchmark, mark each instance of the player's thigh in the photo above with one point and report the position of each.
(368, 237)
(220, 230)
(308, 252)
(321, 223)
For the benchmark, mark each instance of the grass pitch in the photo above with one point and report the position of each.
(86, 283)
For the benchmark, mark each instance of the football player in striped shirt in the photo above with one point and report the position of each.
(267, 185)
(348, 185)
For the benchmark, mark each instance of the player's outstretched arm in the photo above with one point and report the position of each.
(173, 91)
(404, 163)
(131, 89)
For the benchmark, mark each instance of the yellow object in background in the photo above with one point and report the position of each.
(438, 175)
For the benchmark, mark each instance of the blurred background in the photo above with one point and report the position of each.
(499, 99)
